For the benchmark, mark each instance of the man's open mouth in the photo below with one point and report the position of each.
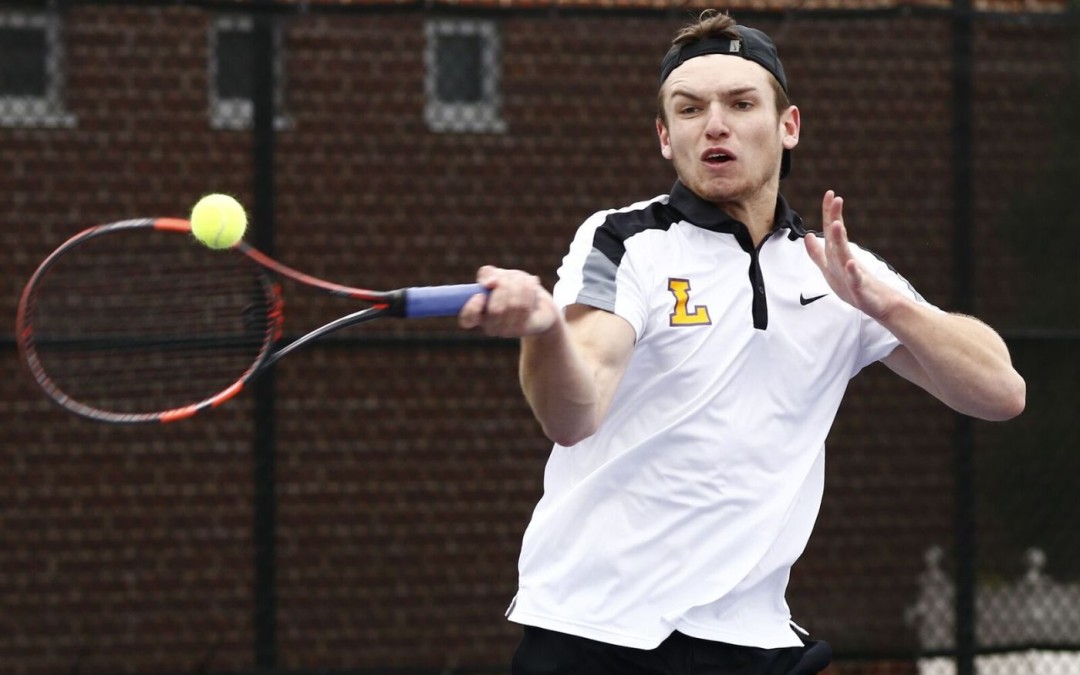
(717, 157)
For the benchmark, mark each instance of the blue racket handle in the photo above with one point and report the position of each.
(424, 301)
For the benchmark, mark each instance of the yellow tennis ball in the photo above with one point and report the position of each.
(218, 221)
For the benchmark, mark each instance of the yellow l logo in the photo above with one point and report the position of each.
(680, 288)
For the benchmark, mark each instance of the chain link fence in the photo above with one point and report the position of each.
(361, 512)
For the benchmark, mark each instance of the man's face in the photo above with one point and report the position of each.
(722, 131)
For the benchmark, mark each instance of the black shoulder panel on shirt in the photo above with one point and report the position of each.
(610, 238)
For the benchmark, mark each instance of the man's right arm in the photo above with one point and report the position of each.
(570, 364)
(569, 373)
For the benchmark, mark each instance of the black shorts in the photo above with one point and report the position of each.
(545, 652)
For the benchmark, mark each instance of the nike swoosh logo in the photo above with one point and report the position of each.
(803, 300)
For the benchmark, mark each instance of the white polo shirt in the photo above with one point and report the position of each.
(689, 505)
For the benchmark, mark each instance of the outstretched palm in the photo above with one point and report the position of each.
(845, 275)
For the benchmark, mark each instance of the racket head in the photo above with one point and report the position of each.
(136, 322)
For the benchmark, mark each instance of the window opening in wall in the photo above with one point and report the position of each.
(31, 70)
(462, 59)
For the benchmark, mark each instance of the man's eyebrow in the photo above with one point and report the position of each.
(686, 93)
(734, 91)
(739, 91)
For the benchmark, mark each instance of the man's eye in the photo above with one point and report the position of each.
(744, 105)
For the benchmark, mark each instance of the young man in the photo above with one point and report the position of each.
(688, 368)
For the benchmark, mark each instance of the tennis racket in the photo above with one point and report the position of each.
(136, 322)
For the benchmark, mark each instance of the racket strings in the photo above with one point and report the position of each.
(145, 322)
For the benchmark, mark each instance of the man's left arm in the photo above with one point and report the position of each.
(957, 358)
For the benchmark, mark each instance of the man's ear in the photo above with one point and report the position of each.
(791, 122)
(665, 138)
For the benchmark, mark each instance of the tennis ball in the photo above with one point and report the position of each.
(218, 221)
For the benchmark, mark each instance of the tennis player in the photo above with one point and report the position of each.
(688, 367)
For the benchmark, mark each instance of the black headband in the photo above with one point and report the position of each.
(752, 45)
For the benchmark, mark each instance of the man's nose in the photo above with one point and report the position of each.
(716, 124)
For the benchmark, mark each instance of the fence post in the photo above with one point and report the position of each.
(265, 506)
(962, 300)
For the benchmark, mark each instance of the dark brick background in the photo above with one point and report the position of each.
(406, 472)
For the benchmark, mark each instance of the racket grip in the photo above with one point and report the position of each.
(421, 301)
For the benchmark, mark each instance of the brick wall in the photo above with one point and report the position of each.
(406, 473)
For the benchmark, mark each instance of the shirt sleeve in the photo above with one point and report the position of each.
(596, 272)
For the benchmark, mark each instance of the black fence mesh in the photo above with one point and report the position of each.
(363, 512)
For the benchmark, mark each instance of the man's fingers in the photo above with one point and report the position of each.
(486, 275)
(837, 249)
(509, 309)
(832, 207)
(815, 250)
(854, 275)
(472, 311)
(826, 205)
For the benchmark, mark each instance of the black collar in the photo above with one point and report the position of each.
(709, 216)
